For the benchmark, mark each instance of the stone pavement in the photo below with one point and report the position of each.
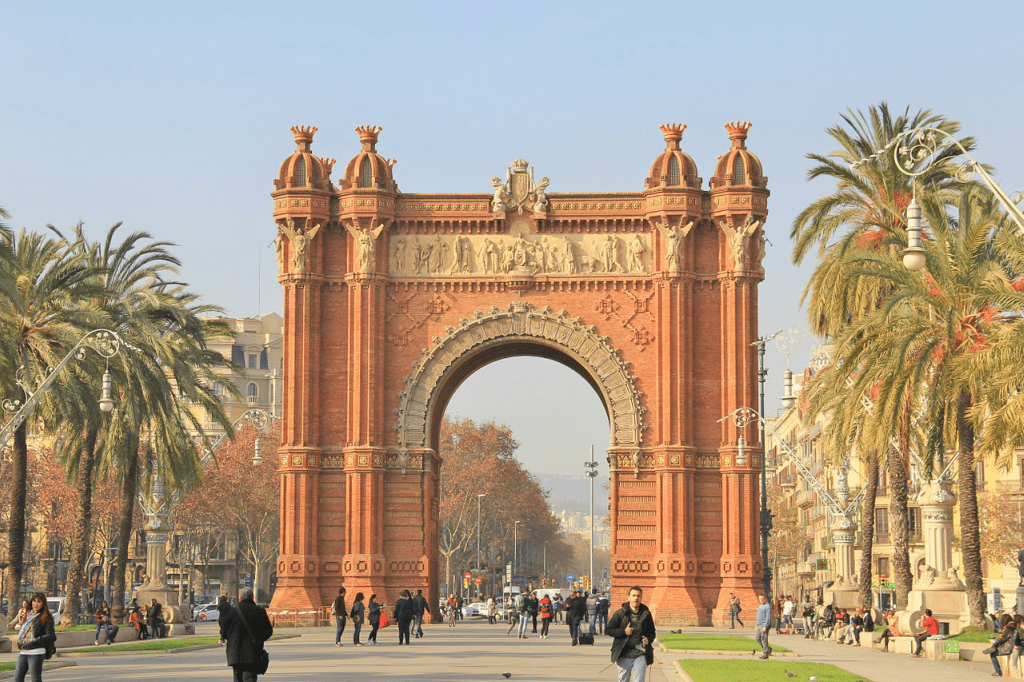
(472, 651)
(872, 664)
(477, 651)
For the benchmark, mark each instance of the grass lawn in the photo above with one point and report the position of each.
(9, 667)
(76, 628)
(974, 634)
(165, 644)
(146, 645)
(714, 643)
(756, 671)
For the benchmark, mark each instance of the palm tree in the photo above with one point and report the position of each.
(865, 213)
(44, 293)
(167, 370)
(913, 351)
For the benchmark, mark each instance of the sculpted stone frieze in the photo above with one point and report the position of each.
(523, 321)
(474, 255)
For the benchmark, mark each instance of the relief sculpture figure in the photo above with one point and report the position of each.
(418, 260)
(570, 259)
(636, 254)
(490, 257)
(436, 255)
(610, 249)
(463, 260)
(398, 255)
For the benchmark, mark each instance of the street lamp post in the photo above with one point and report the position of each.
(591, 473)
(515, 551)
(478, 498)
(766, 514)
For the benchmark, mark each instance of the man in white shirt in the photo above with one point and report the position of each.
(787, 615)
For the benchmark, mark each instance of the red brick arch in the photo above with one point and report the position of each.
(393, 299)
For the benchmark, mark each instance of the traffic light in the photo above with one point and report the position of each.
(543, 582)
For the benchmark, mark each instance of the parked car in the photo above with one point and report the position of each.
(477, 609)
(207, 613)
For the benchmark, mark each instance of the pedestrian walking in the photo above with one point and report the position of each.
(533, 606)
(734, 611)
(787, 615)
(340, 614)
(523, 608)
(358, 615)
(403, 614)
(419, 608)
(37, 640)
(244, 629)
(592, 611)
(603, 606)
(763, 625)
(373, 609)
(632, 626)
(492, 610)
(577, 606)
(103, 624)
(545, 616)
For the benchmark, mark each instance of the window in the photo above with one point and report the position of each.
(252, 361)
(915, 523)
(253, 392)
(882, 565)
(979, 475)
(300, 172)
(881, 523)
(366, 173)
(673, 170)
(737, 169)
(218, 388)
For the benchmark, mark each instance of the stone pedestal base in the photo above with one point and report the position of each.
(842, 599)
(5, 646)
(949, 607)
(179, 629)
(168, 599)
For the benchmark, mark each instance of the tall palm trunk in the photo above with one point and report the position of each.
(970, 538)
(899, 527)
(867, 526)
(83, 527)
(16, 527)
(129, 493)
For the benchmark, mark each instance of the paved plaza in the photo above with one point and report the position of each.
(476, 651)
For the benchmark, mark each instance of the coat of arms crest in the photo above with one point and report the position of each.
(519, 190)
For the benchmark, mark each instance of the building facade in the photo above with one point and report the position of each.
(392, 299)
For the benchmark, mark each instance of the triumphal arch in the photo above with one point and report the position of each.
(393, 299)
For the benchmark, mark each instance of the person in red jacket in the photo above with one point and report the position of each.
(931, 627)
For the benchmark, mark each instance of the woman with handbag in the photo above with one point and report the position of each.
(1004, 645)
(36, 640)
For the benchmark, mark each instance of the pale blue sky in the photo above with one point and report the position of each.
(174, 117)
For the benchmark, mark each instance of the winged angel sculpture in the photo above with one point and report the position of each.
(673, 237)
(300, 244)
(365, 239)
(738, 237)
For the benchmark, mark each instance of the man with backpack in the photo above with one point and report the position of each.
(419, 607)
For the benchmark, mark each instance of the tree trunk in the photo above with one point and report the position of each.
(16, 529)
(899, 528)
(83, 528)
(970, 538)
(867, 525)
(129, 493)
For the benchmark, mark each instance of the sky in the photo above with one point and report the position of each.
(174, 118)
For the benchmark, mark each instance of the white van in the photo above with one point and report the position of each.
(56, 606)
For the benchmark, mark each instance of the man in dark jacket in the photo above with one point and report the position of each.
(419, 607)
(404, 613)
(577, 615)
(340, 615)
(244, 652)
(632, 626)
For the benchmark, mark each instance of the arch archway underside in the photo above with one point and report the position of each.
(522, 322)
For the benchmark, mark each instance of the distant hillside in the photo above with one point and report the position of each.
(572, 492)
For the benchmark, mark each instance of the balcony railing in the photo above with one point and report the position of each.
(804, 499)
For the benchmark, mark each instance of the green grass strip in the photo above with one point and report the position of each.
(146, 645)
(763, 671)
(697, 642)
(974, 634)
(9, 667)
